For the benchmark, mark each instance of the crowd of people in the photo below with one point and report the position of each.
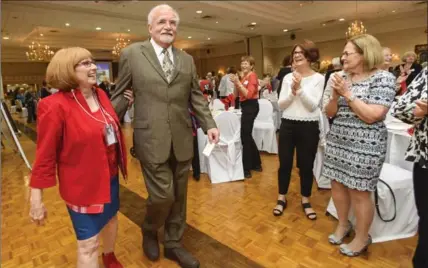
(79, 133)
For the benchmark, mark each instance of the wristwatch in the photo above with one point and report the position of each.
(350, 98)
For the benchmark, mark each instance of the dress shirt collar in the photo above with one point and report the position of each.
(159, 50)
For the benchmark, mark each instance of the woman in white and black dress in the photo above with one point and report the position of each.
(411, 108)
(358, 98)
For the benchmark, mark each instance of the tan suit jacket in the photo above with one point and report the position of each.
(161, 116)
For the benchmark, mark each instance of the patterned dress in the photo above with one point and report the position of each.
(356, 150)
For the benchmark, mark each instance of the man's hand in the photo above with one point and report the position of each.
(129, 95)
(213, 135)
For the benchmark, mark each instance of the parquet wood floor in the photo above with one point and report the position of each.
(230, 225)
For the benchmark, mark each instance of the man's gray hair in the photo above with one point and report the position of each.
(158, 7)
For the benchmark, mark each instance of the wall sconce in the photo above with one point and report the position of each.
(395, 57)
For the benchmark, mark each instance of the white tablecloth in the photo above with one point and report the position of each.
(406, 223)
(398, 141)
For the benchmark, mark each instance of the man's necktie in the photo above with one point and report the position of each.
(167, 65)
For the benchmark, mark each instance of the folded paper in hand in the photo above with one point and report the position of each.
(208, 149)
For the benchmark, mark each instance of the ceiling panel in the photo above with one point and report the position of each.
(221, 22)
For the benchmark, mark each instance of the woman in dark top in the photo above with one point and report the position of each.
(286, 69)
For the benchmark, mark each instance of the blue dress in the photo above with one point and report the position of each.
(89, 225)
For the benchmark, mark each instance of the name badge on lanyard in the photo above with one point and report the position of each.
(110, 135)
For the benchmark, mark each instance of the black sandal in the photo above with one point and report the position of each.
(308, 205)
(277, 212)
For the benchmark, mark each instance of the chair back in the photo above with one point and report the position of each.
(218, 105)
(266, 111)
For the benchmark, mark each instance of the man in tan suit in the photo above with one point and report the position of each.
(164, 82)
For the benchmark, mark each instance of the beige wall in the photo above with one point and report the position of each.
(217, 58)
(398, 41)
(23, 72)
(256, 50)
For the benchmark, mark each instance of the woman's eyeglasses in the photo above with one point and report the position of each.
(86, 63)
(346, 53)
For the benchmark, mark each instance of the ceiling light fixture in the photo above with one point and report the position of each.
(41, 34)
(199, 11)
(356, 27)
(209, 38)
(67, 24)
(98, 28)
(37, 52)
(6, 37)
(323, 24)
(254, 23)
(129, 30)
(189, 37)
(393, 11)
(341, 19)
(121, 44)
(285, 30)
(216, 22)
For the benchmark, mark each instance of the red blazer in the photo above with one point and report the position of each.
(70, 144)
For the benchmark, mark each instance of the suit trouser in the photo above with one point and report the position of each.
(420, 185)
(250, 152)
(304, 136)
(166, 184)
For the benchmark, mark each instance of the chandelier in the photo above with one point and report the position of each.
(121, 44)
(356, 28)
(37, 52)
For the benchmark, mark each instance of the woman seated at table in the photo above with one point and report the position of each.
(411, 108)
(300, 97)
(359, 99)
(248, 95)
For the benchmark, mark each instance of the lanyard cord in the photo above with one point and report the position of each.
(99, 106)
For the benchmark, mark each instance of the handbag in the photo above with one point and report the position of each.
(376, 195)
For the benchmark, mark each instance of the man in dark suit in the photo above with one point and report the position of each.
(164, 80)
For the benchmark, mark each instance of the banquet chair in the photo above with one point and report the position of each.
(264, 131)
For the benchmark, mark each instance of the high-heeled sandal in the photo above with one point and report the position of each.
(309, 215)
(347, 252)
(332, 239)
(276, 212)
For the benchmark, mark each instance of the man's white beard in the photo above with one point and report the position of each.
(166, 39)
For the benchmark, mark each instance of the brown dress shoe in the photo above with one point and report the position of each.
(182, 256)
(151, 245)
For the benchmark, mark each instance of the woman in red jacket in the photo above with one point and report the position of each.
(79, 137)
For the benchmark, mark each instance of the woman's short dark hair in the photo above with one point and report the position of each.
(286, 61)
(310, 51)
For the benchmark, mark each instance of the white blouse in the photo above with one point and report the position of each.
(305, 105)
